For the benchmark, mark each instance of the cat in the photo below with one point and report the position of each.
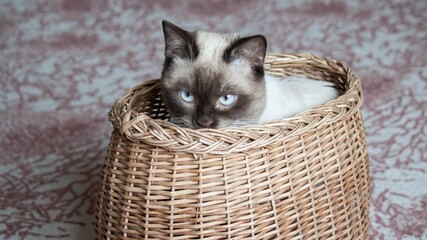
(212, 80)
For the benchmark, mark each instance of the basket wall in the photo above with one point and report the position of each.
(302, 178)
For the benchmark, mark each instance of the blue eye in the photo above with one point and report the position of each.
(227, 100)
(186, 96)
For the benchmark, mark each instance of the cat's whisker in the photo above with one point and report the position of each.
(243, 122)
(182, 122)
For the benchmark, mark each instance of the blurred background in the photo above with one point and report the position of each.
(63, 63)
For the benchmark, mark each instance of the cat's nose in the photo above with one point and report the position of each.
(205, 123)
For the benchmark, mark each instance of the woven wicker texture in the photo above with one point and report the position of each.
(306, 177)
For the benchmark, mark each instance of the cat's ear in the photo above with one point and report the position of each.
(251, 49)
(178, 42)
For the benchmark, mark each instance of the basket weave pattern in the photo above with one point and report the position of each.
(306, 177)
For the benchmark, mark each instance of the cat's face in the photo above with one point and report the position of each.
(212, 80)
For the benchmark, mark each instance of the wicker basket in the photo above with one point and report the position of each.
(306, 177)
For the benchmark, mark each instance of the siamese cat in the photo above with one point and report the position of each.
(212, 80)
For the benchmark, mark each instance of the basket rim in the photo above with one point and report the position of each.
(137, 126)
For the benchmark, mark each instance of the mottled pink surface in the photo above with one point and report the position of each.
(64, 63)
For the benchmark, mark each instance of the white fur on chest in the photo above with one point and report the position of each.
(290, 95)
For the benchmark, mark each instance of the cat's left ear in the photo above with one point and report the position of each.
(251, 49)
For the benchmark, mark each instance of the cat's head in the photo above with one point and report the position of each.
(212, 80)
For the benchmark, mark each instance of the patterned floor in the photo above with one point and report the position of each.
(64, 63)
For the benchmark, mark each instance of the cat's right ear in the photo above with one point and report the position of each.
(178, 42)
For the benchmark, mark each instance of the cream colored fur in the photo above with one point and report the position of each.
(291, 95)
